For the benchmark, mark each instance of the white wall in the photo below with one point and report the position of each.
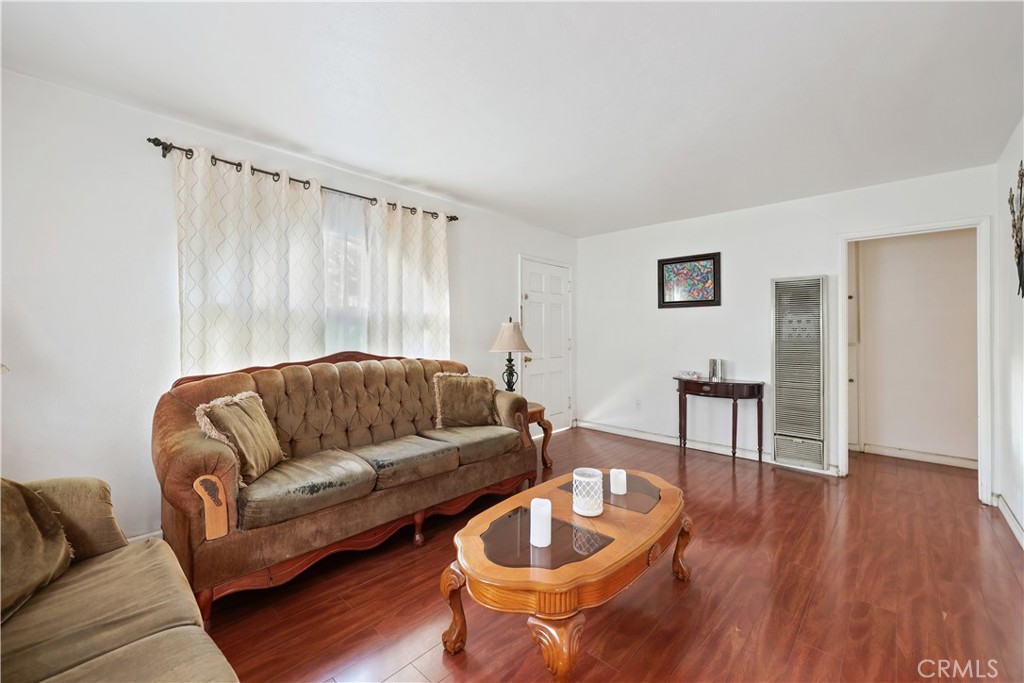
(919, 345)
(629, 349)
(90, 313)
(1008, 344)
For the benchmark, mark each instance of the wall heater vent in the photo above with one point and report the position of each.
(798, 370)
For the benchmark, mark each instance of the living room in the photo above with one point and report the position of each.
(593, 165)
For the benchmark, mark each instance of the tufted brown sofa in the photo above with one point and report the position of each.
(332, 416)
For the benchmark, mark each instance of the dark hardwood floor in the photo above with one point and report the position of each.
(796, 577)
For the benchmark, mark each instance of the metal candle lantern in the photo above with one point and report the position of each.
(715, 369)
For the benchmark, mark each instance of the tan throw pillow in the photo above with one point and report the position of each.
(241, 422)
(464, 400)
(32, 543)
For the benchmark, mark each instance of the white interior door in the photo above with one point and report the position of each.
(547, 326)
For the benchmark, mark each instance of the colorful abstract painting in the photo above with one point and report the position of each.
(689, 281)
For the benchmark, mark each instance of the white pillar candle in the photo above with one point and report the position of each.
(618, 478)
(540, 522)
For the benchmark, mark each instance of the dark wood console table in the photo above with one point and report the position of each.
(734, 390)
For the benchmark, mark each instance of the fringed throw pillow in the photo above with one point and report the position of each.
(464, 400)
(241, 422)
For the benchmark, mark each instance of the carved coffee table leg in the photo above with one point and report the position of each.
(559, 641)
(680, 567)
(452, 581)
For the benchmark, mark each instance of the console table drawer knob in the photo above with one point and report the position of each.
(706, 388)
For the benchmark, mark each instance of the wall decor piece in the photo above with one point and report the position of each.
(690, 281)
(1016, 217)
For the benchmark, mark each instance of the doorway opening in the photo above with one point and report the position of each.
(914, 348)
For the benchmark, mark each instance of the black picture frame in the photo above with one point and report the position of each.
(689, 281)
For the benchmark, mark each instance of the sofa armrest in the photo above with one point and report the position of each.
(86, 512)
(513, 412)
(183, 454)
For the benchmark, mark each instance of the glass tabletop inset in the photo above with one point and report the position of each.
(641, 495)
(507, 542)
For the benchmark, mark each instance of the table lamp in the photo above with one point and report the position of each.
(510, 339)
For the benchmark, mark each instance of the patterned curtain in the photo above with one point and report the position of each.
(408, 297)
(250, 266)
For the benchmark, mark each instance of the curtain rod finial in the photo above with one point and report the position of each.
(165, 147)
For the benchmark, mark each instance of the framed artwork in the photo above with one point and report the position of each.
(690, 281)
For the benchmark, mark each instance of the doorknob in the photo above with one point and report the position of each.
(527, 359)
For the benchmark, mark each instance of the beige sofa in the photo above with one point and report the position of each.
(364, 459)
(119, 612)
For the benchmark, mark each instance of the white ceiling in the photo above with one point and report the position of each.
(581, 118)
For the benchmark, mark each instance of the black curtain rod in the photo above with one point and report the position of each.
(166, 148)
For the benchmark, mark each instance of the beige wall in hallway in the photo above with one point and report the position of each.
(918, 335)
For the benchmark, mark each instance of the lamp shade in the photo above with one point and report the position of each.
(510, 338)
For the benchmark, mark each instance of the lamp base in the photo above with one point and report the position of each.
(510, 375)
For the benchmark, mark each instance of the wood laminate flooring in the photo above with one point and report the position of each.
(796, 577)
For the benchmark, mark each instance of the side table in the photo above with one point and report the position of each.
(536, 414)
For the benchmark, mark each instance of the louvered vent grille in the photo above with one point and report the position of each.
(799, 451)
(798, 370)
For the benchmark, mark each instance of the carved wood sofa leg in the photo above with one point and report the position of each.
(204, 599)
(417, 519)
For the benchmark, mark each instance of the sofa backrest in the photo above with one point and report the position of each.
(315, 406)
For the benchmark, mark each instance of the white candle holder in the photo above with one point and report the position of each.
(587, 492)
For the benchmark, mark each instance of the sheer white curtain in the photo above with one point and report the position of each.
(250, 260)
(346, 273)
(408, 295)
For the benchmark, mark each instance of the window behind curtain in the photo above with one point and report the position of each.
(346, 273)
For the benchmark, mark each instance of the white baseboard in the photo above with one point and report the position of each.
(673, 440)
(1011, 519)
(143, 537)
(718, 449)
(921, 456)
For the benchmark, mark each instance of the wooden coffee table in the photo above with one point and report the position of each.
(589, 561)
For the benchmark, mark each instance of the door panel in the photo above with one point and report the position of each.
(546, 318)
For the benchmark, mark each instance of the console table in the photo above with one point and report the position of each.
(734, 390)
